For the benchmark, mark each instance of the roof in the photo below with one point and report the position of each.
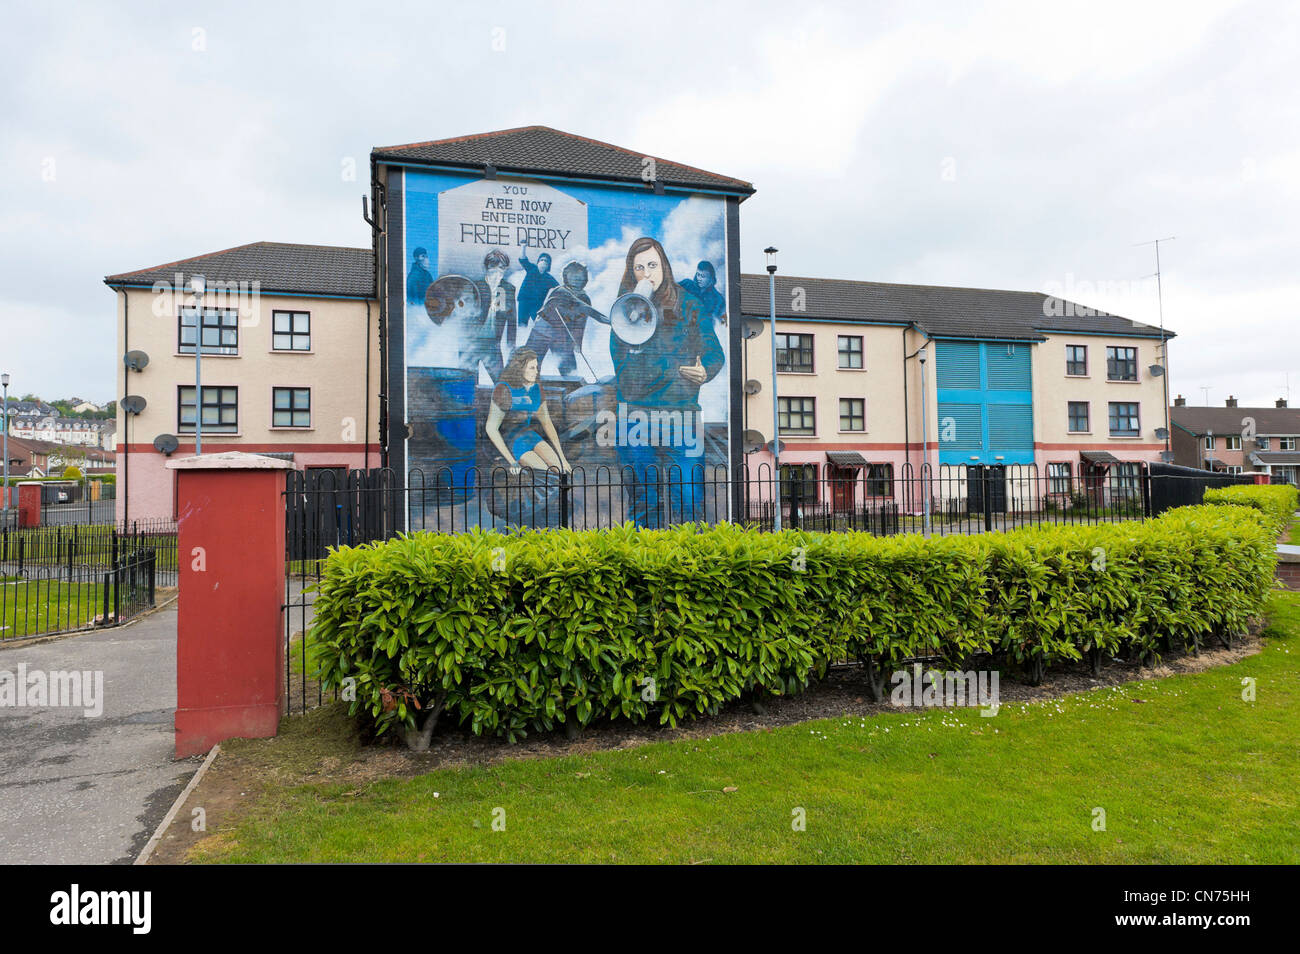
(939, 310)
(1275, 457)
(846, 458)
(276, 266)
(541, 149)
(1099, 457)
(1229, 420)
(32, 446)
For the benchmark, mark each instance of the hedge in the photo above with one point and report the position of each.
(510, 633)
(1278, 502)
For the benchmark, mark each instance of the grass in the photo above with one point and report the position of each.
(31, 608)
(1185, 770)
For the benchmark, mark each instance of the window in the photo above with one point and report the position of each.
(1209, 442)
(799, 480)
(794, 353)
(291, 330)
(796, 415)
(1262, 442)
(1121, 364)
(1233, 468)
(1286, 443)
(880, 480)
(1124, 419)
(853, 414)
(1079, 417)
(220, 331)
(1076, 360)
(291, 407)
(220, 409)
(851, 351)
(1058, 478)
(1124, 480)
(1232, 442)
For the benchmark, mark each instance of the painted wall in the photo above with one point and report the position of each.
(334, 370)
(552, 327)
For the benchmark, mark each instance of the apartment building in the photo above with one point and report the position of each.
(1236, 440)
(1008, 378)
(290, 364)
(86, 432)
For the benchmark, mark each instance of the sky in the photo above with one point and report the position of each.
(1029, 146)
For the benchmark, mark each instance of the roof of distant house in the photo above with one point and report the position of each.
(1231, 420)
(546, 151)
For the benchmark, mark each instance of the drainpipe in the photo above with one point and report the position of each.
(126, 418)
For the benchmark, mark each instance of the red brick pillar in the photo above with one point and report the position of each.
(29, 505)
(230, 552)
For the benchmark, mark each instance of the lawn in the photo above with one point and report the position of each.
(1185, 770)
(33, 607)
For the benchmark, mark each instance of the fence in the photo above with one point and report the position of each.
(324, 509)
(61, 578)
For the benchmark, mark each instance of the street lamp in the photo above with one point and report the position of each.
(198, 284)
(770, 252)
(925, 448)
(4, 380)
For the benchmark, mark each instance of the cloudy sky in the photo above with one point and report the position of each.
(1005, 145)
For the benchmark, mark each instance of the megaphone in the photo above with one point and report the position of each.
(634, 318)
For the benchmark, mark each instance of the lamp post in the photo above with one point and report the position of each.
(770, 252)
(925, 448)
(199, 285)
(4, 379)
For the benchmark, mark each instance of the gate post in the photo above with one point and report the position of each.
(29, 505)
(230, 554)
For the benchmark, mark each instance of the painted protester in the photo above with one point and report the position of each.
(537, 284)
(658, 381)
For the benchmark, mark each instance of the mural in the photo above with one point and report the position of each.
(576, 330)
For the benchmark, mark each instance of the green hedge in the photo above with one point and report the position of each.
(1277, 501)
(511, 633)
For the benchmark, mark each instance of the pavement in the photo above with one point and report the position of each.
(78, 789)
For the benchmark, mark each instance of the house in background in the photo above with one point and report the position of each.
(1236, 440)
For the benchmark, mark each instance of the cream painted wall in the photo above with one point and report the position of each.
(1054, 389)
(334, 370)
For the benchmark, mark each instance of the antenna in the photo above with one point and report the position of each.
(1164, 343)
(1206, 388)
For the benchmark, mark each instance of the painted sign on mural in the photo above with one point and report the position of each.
(566, 329)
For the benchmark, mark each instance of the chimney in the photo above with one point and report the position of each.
(1281, 402)
(1180, 401)
(1231, 402)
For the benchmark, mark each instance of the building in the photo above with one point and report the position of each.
(290, 364)
(534, 299)
(29, 457)
(86, 432)
(1235, 440)
(1010, 378)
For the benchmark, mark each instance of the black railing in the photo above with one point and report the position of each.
(60, 578)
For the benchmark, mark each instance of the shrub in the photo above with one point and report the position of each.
(1277, 501)
(508, 633)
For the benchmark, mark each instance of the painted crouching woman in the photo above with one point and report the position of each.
(517, 412)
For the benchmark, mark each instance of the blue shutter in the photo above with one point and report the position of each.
(957, 364)
(960, 428)
(1011, 428)
(1008, 367)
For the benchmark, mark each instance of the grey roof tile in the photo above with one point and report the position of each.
(1228, 420)
(937, 309)
(541, 149)
(277, 266)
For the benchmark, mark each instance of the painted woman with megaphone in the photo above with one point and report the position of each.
(660, 376)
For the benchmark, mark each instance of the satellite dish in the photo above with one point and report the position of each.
(780, 446)
(135, 360)
(1161, 433)
(1167, 456)
(1156, 370)
(751, 328)
(133, 404)
(753, 441)
(752, 386)
(165, 443)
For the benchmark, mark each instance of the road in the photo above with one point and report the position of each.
(90, 790)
